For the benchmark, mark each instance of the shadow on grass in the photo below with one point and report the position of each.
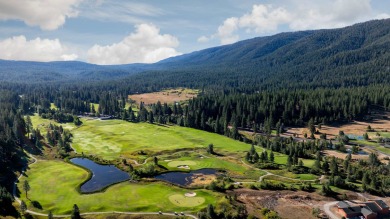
(37, 205)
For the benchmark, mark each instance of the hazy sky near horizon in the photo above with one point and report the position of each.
(131, 31)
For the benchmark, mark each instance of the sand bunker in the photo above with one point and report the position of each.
(183, 167)
(178, 163)
(190, 194)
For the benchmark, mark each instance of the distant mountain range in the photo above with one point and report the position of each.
(352, 56)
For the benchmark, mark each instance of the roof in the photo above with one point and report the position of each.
(381, 204)
(351, 210)
(372, 206)
(365, 211)
(342, 204)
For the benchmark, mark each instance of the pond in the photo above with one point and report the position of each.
(356, 137)
(102, 175)
(185, 178)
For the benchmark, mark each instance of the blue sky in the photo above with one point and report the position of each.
(119, 31)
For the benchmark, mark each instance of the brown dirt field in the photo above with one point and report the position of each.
(288, 204)
(380, 122)
(337, 154)
(200, 179)
(166, 96)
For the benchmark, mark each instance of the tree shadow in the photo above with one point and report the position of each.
(37, 205)
(162, 167)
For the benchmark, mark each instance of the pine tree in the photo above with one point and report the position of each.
(50, 215)
(26, 187)
(75, 212)
(272, 157)
(23, 207)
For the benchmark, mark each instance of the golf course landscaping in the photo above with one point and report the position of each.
(54, 188)
(144, 151)
(111, 139)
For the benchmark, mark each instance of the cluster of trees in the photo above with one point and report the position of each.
(12, 132)
(238, 212)
(59, 137)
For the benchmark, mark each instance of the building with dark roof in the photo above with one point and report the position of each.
(367, 210)
(383, 207)
(342, 204)
(351, 212)
(368, 214)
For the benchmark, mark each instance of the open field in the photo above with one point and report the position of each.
(380, 122)
(53, 187)
(341, 155)
(112, 139)
(165, 96)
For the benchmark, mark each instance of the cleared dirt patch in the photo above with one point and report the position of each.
(337, 154)
(166, 96)
(379, 122)
(288, 204)
(202, 179)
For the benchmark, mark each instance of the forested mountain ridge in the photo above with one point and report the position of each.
(28, 71)
(357, 55)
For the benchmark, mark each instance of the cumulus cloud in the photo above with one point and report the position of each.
(262, 19)
(47, 14)
(145, 45)
(19, 48)
(297, 15)
(203, 39)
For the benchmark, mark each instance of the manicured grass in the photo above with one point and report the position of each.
(177, 163)
(382, 134)
(42, 124)
(53, 106)
(282, 159)
(53, 185)
(111, 139)
(307, 176)
(183, 201)
(286, 173)
(234, 167)
(372, 144)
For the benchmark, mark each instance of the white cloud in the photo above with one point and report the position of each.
(119, 11)
(47, 14)
(19, 48)
(262, 19)
(297, 15)
(145, 45)
(203, 39)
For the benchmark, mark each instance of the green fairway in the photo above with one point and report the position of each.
(112, 139)
(41, 124)
(286, 173)
(282, 159)
(53, 185)
(377, 146)
(196, 161)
